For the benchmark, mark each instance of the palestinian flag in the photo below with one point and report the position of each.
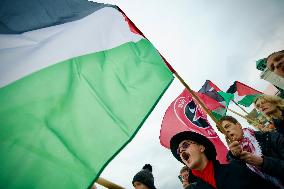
(77, 81)
(185, 114)
(214, 99)
(243, 94)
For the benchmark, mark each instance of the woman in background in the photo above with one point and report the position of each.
(273, 108)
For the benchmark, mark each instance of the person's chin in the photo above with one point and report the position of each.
(190, 164)
(186, 162)
(236, 137)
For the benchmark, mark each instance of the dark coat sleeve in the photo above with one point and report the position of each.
(200, 184)
(274, 164)
(279, 124)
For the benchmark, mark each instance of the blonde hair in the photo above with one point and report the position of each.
(279, 102)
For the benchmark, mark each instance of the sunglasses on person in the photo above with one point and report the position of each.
(180, 178)
(184, 146)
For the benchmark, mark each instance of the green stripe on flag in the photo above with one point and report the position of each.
(219, 113)
(247, 100)
(61, 125)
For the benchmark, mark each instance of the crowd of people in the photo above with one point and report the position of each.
(255, 158)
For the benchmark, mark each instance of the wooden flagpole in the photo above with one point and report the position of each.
(203, 106)
(247, 118)
(108, 184)
(240, 107)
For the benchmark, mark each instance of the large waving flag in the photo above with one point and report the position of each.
(214, 99)
(77, 81)
(243, 94)
(184, 114)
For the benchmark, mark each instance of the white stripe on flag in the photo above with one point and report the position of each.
(238, 98)
(29, 52)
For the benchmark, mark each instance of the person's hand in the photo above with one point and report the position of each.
(235, 148)
(251, 158)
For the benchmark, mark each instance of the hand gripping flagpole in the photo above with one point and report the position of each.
(202, 105)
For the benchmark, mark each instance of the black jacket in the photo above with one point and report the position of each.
(272, 146)
(192, 186)
(235, 175)
(279, 124)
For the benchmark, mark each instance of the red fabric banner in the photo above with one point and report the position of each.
(184, 114)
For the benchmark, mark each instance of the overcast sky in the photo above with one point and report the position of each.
(218, 40)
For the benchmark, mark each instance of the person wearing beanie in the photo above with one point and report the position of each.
(198, 153)
(144, 179)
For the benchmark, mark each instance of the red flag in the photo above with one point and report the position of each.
(184, 114)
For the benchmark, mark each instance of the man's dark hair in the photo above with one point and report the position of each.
(226, 118)
(282, 51)
(229, 118)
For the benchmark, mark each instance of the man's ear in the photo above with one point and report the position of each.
(202, 148)
(238, 124)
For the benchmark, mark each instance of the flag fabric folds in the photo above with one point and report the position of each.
(214, 99)
(243, 94)
(184, 114)
(73, 92)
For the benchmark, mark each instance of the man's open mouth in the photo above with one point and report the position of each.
(185, 156)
